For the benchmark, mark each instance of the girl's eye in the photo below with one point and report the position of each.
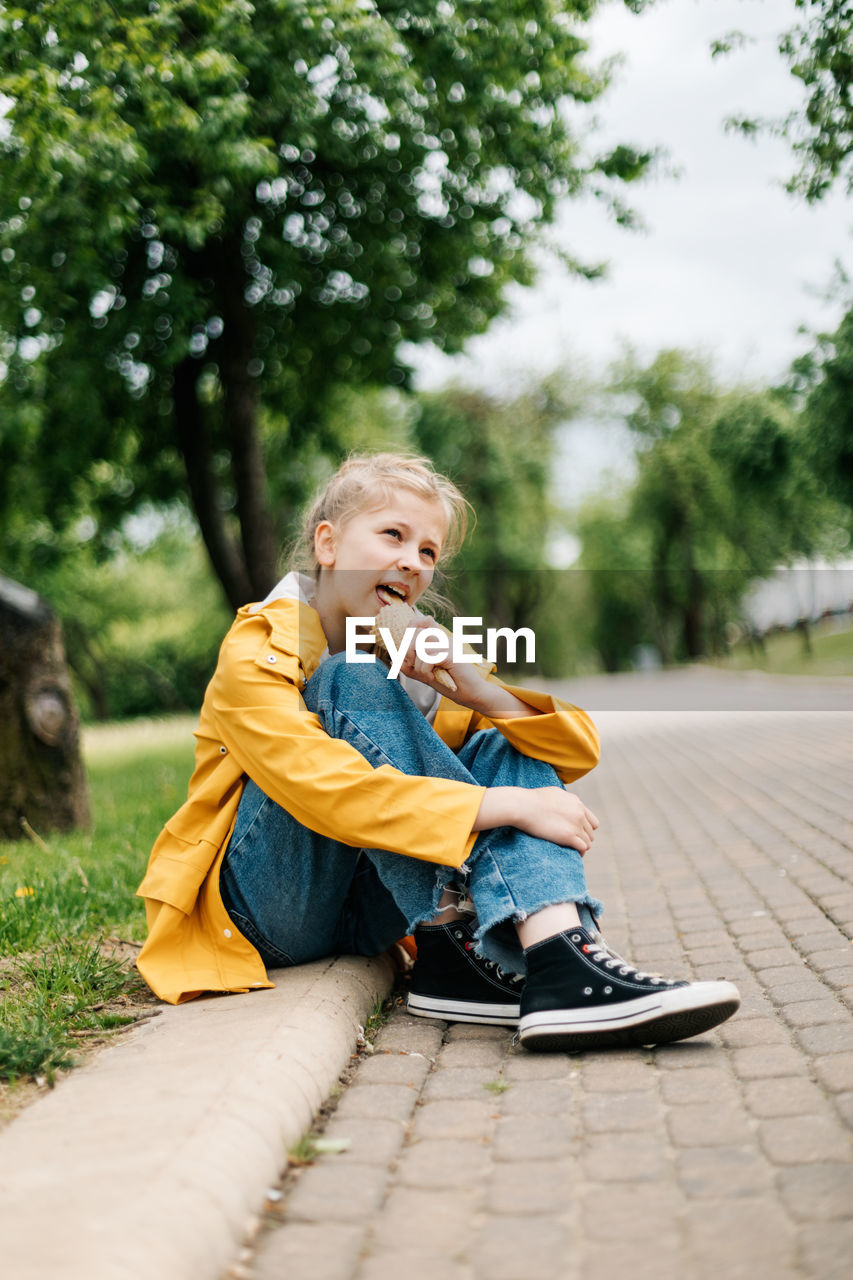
(428, 551)
(395, 533)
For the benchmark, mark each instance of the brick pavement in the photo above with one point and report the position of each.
(726, 849)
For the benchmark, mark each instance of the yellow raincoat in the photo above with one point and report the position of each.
(255, 724)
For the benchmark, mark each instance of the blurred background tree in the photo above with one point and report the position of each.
(215, 216)
(725, 492)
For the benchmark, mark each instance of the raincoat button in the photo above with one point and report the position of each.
(227, 933)
(271, 658)
(223, 751)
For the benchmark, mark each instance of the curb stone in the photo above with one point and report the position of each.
(154, 1160)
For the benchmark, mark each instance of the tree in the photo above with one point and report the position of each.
(501, 454)
(827, 375)
(214, 214)
(42, 782)
(723, 495)
(819, 52)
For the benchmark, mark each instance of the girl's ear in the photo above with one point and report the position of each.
(325, 544)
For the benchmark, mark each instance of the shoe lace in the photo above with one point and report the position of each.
(604, 954)
(503, 974)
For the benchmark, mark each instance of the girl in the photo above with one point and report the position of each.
(333, 809)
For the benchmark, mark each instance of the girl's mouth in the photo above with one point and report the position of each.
(390, 595)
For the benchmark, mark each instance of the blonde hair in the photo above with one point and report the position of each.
(364, 482)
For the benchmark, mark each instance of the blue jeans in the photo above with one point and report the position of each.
(297, 895)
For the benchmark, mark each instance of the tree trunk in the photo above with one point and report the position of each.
(193, 442)
(42, 781)
(242, 411)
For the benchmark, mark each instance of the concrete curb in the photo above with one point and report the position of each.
(154, 1160)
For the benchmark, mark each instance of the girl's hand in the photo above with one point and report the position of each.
(466, 675)
(547, 812)
(473, 690)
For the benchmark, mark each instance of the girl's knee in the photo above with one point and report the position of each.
(337, 683)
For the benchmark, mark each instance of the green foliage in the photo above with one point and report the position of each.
(142, 627)
(53, 998)
(56, 904)
(828, 415)
(215, 214)
(819, 53)
(724, 493)
(85, 883)
(501, 455)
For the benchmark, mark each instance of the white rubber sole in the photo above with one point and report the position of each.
(498, 1015)
(657, 1018)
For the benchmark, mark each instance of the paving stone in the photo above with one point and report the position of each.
(532, 1097)
(459, 1082)
(826, 1250)
(394, 1068)
(323, 1250)
(781, 975)
(472, 1053)
(838, 957)
(661, 1259)
(707, 1124)
(836, 1072)
(618, 1074)
(804, 1139)
(415, 1035)
(810, 988)
(332, 1192)
(473, 1031)
(773, 957)
(809, 943)
(642, 1212)
(384, 1101)
(444, 1163)
(713, 1172)
(734, 1237)
(839, 978)
(702, 1084)
(620, 1112)
(818, 1192)
(832, 1038)
(815, 1013)
(701, 1051)
(535, 1137)
(540, 1066)
(742, 1033)
(532, 1187)
(844, 1105)
(517, 1247)
(371, 1141)
(415, 1264)
(426, 1218)
(773, 1060)
(628, 1157)
(783, 1096)
(452, 1118)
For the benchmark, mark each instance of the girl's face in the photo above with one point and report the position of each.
(379, 556)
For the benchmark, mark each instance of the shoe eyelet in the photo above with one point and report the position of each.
(623, 971)
(576, 937)
(457, 933)
(608, 991)
(587, 991)
(610, 964)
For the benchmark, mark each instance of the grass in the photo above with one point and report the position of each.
(785, 654)
(69, 917)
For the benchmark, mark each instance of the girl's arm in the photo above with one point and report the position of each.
(547, 812)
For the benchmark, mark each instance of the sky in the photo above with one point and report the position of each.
(728, 265)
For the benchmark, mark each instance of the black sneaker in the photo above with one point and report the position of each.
(450, 981)
(581, 995)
